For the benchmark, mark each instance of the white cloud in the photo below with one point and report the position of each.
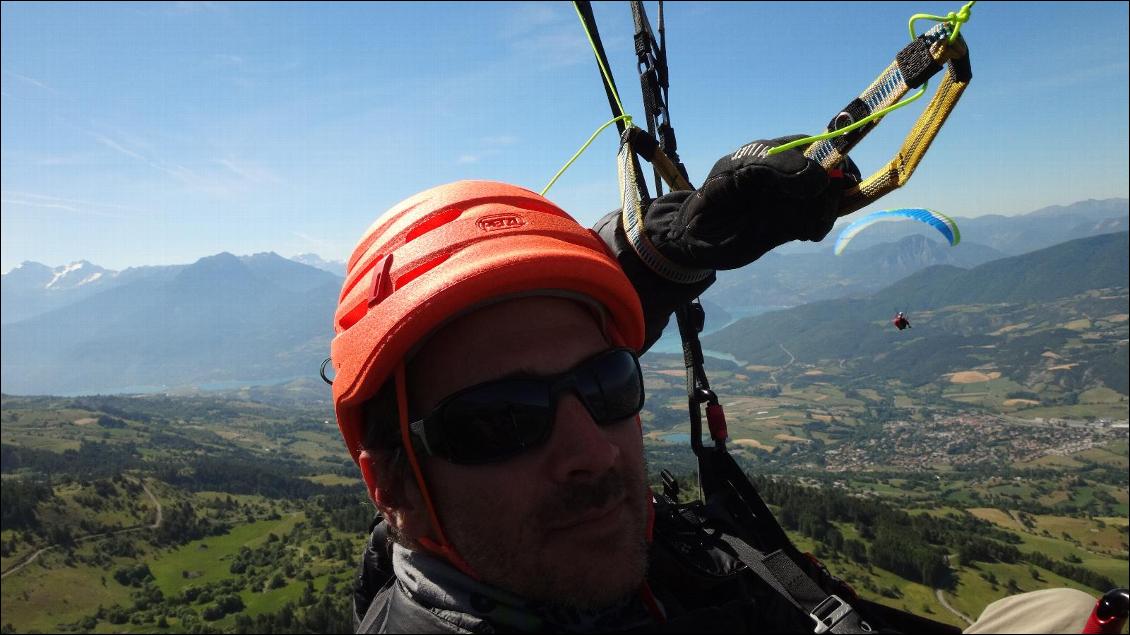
(213, 183)
(20, 203)
(42, 201)
(524, 17)
(117, 147)
(250, 172)
(30, 80)
(467, 158)
(178, 172)
(545, 34)
(321, 244)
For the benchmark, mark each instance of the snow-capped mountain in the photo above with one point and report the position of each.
(335, 267)
(33, 288)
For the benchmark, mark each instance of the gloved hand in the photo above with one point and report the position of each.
(748, 205)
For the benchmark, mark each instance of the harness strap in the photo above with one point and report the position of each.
(739, 499)
(632, 216)
(829, 612)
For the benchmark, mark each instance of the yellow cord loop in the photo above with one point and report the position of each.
(627, 119)
(955, 20)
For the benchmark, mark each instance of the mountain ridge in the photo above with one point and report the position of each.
(263, 317)
(215, 320)
(1019, 307)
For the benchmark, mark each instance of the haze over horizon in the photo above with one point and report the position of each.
(154, 134)
(334, 265)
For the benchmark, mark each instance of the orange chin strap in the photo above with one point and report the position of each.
(440, 547)
(650, 497)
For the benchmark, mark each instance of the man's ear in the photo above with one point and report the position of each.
(384, 489)
(397, 498)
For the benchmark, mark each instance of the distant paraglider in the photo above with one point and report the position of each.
(939, 221)
(900, 321)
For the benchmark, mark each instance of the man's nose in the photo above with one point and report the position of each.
(579, 448)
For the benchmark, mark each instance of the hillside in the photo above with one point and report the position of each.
(191, 514)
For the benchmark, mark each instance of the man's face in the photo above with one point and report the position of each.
(564, 522)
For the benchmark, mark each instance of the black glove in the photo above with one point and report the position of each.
(749, 204)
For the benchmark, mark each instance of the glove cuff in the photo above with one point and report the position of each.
(632, 221)
(659, 296)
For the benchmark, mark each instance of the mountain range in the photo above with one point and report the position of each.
(802, 272)
(1064, 306)
(33, 288)
(1012, 235)
(781, 280)
(263, 318)
(335, 267)
(257, 319)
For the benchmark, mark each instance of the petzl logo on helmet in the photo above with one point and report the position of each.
(500, 221)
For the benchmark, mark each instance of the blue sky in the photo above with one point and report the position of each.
(138, 133)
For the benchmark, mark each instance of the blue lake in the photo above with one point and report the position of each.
(670, 342)
(218, 385)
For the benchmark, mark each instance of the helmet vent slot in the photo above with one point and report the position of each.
(433, 222)
(420, 270)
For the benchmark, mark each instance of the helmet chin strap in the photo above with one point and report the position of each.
(650, 498)
(441, 546)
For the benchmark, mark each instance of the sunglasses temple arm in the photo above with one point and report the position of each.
(420, 437)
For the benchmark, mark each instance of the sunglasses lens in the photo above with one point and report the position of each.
(611, 386)
(497, 421)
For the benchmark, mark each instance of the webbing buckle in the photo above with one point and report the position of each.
(829, 612)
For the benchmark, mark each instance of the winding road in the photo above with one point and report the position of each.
(156, 523)
(792, 358)
(959, 614)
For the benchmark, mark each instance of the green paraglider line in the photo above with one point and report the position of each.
(627, 119)
(956, 19)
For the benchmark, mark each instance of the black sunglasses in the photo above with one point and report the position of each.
(497, 420)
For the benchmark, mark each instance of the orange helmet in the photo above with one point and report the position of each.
(443, 252)
(449, 249)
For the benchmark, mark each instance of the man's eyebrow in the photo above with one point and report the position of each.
(526, 372)
(529, 372)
